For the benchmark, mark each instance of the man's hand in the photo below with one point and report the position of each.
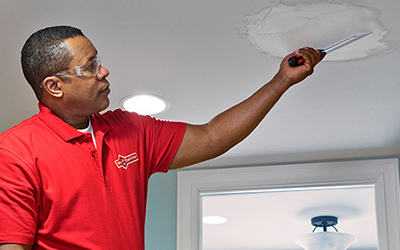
(298, 73)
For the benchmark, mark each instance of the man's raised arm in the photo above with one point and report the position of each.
(207, 141)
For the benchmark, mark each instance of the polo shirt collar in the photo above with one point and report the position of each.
(65, 131)
(55, 123)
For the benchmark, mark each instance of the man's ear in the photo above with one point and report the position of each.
(52, 85)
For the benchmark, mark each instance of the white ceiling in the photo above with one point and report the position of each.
(194, 54)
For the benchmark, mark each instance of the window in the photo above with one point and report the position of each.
(380, 176)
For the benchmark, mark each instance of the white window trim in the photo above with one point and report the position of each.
(384, 174)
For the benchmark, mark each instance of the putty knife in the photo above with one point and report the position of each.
(298, 60)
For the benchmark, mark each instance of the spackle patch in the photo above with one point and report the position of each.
(280, 29)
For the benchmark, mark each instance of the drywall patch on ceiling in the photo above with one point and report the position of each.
(280, 29)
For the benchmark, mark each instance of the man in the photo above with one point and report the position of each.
(74, 179)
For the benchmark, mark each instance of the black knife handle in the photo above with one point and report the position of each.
(295, 61)
(299, 60)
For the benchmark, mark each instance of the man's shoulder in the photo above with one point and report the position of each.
(21, 130)
(110, 114)
(120, 120)
(119, 117)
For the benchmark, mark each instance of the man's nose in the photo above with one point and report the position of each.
(103, 73)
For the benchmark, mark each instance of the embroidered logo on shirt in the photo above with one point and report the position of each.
(124, 161)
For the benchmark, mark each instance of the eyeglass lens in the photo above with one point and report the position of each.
(91, 68)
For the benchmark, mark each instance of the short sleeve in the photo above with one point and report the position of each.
(166, 139)
(18, 200)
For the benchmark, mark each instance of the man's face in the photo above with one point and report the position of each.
(82, 95)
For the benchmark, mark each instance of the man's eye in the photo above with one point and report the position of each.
(90, 68)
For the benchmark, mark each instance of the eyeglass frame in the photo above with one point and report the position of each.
(80, 69)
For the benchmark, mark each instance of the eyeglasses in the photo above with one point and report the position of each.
(91, 68)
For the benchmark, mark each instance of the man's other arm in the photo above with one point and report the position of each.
(14, 247)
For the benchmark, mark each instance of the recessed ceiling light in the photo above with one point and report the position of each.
(214, 220)
(145, 104)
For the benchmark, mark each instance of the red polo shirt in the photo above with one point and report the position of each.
(58, 191)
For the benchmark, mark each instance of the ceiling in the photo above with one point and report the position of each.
(197, 54)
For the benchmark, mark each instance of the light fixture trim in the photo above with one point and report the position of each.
(324, 221)
(145, 104)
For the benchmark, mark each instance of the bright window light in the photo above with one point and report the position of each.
(145, 104)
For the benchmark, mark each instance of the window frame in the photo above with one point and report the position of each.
(382, 173)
